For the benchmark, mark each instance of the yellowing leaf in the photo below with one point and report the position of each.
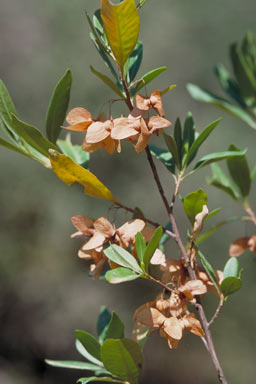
(70, 172)
(122, 24)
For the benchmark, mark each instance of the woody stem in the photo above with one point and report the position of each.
(169, 208)
(208, 338)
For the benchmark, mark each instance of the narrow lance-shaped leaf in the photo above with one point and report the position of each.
(70, 173)
(121, 257)
(7, 108)
(147, 78)
(133, 62)
(107, 81)
(152, 246)
(140, 246)
(178, 138)
(222, 182)
(229, 85)
(172, 146)
(85, 380)
(199, 141)
(201, 95)
(120, 275)
(58, 107)
(239, 171)
(217, 156)
(244, 75)
(122, 24)
(123, 358)
(73, 365)
(32, 136)
(13, 147)
(209, 270)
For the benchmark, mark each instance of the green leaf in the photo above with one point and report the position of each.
(70, 172)
(152, 246)
(214, 228)
(231, 268)
(209, 270)
(85, 380)
(221, 181)
(212, 213)
(147, 78)
(115, 329)
(102, 51)
(140, 246)
(7, 108)
(73, 365)
(168, 89)
(172, 146)
(91, 346)
(75, 152)
(120, 275)
(231, 285)
(6, 103)
(188, 137)
(133, 62)
(217, 156)
(12, 147)
(107, 81)
(240, 172)
(199, 141)
(201, 95)
(253, 172)
(102, 323)
(123, 358)
(193, 204)
(229, 85)
(178, 138)
(121, 257)
(165, 237)
(244, 75)
(58, 107)
(32, 136)
(99, 27)
(164, 156)
(121, 24)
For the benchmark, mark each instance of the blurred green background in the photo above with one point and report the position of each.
(45, 291)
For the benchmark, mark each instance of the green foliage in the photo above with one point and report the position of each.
(58, 107)
(120, 275)
(209, 270)
(193, 204)
(151, 247)
(75, 152)
(232, 277)
(91, 346)
(147, 78)
(242, 89)
(123, 358)
(123, 258)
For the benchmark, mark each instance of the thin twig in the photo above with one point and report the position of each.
(208, 338)
(216, 314)
(135, 213)
(251, 214)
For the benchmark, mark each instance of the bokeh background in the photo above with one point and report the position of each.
(45, 291)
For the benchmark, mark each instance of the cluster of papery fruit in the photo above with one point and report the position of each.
(169, 312)
(108, 133)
